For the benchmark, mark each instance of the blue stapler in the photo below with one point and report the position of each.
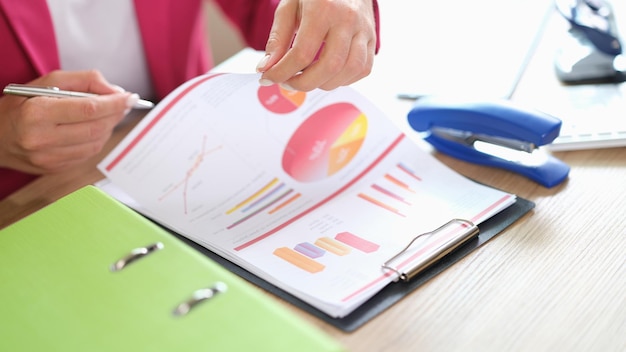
(591, 50)
(495, 133)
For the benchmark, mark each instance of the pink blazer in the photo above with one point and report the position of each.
(173, 35)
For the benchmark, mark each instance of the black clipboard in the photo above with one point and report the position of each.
(393, 292)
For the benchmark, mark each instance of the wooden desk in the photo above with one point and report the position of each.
(555, 280)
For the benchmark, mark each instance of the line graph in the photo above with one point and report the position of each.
(197, 161)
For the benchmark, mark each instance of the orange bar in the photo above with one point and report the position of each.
(299, 260)
(332, 246)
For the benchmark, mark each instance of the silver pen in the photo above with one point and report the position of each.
(36, 91)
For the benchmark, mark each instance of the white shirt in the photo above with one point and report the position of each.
(103, 35)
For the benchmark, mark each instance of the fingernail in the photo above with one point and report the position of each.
(265, 82)
(285, 86)
(132, 100)
(262, 63)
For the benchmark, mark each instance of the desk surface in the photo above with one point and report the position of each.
(555, 280)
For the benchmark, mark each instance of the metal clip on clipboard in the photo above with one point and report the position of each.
(456, 232)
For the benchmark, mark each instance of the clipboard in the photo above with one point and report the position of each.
(393, 292)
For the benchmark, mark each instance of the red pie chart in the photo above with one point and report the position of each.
(325, 142)
(279, 100)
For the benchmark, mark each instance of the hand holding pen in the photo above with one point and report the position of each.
(30, 91)
(45, 134)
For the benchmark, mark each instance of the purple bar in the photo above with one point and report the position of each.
(310, 250)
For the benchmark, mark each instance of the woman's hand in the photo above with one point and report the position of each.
(43, 134)
(320, 44)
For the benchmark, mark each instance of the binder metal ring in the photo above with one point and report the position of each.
(469, 231)
(134, 255)
(198, 297)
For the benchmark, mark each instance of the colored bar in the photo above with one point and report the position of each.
(380, 204)
(398, 183)
(297, 259)
(332, 246)
(263, 198)
(357, 242)
(285, 203)
(390, 194)
(408, 171)
(254, 213)
(254, 196)
(309, 250)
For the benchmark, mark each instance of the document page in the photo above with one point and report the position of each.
(311, 191)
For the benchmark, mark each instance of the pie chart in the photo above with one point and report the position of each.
(325, 142)
(279, 100)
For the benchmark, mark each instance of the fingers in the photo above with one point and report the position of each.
(334, 45)
(78, 110)
(74, 120)
(49, 138)
(338, 64)
(45, 134)
(57, 158)
(90, 81)
(281, 35)
(288, 55)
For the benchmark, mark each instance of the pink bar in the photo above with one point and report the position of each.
(357, 242)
